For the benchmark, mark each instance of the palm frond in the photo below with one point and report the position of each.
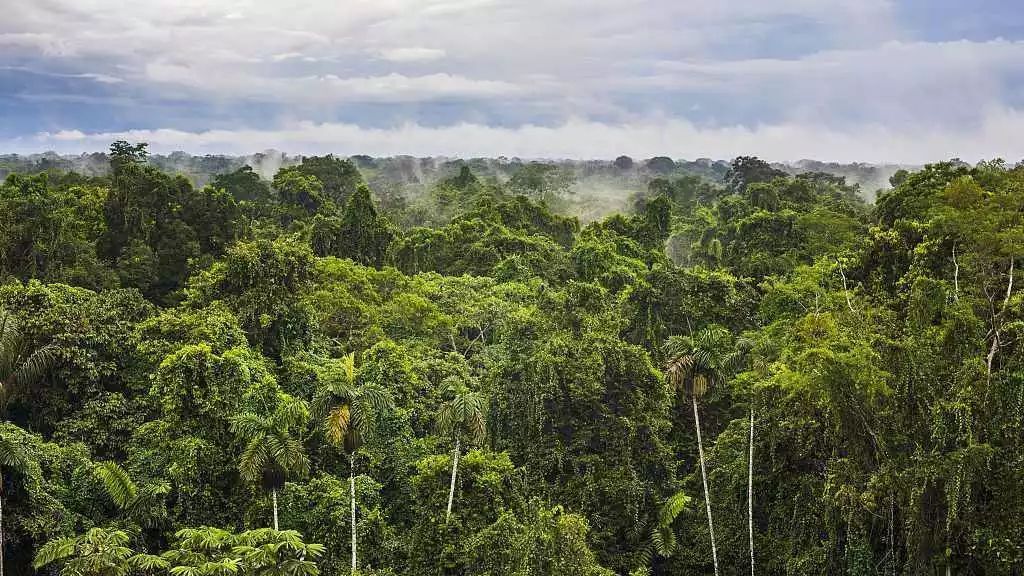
(253, 460)
(54, 550)
(374, 398)
(35, 366)
(663, 536)
(445, 419)
(117, 483)
(348, 365)
(337, 424)
(248, 425)
(184, 571)
(290, 413)
(146, 497)
(12, 454)
(149, 562)
(315, 550)
(464, 412)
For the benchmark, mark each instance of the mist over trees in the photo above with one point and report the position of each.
(293, 366)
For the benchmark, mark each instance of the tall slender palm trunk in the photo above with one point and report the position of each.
(451, 490)
(1, 524)
(750, 489)
(352, 497)
(273, 496)
(704, 476)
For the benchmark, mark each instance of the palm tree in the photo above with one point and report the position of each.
(697, 363)
(272, 450)
(760, 352)
(134, 501)
(19, 366)
(462, 415)
(348, 411)
(11, 456)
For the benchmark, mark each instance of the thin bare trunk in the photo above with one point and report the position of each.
(455, 470)
(846, 292)
(996, 327)
(273, 496)
(352, 497)
(1, 525)
(704, 477)
(750, 489)
(1009, 286)
(956, 276)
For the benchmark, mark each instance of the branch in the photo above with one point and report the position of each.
(1009, 288)
(995, 325)
(846, 292)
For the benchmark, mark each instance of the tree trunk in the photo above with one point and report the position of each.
(352, 497)
(451, 490)
(273, 495)
(1, 524)
(704, 476)
(750, 489)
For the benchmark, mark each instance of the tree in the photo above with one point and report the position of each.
(123, 153)
(697, 363)
(623, 163)
(300, 194)
(11, 456)
(661, 165)
(348, 411)
(747, 170)
(759, 352)
(272, 451)
(19, 366)
(210, 551)
(461, 415)
(98, 552)
(339, 177)
(134, 501)
(360, 233)
(541, 181)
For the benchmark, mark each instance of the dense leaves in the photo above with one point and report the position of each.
(468, 380)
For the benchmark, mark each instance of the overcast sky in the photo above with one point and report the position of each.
(848, 80)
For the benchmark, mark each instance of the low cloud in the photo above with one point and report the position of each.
(996, 136)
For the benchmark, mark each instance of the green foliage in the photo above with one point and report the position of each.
(359, 234)
(545, 541)
(271, 451)
(166, 348)
(98, 552)
(463, 413)
(346, 408)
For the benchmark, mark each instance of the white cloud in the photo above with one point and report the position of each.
(95, 77)
(997, 136)
(330, 88)
(838, 72)
(232, 45)
(412, 54)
